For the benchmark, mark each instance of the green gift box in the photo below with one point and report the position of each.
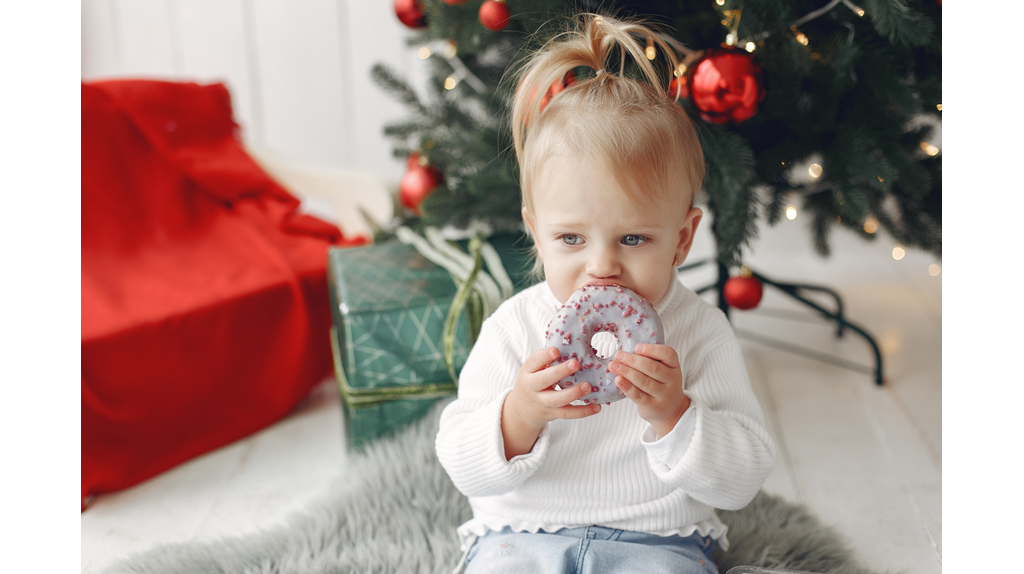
(390, 304)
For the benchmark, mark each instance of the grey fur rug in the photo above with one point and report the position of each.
(395, 510)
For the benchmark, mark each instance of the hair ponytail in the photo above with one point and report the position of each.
(591, 42)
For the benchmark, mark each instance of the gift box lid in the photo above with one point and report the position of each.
(366, 277)
(390, 305)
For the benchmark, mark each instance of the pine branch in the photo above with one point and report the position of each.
(398, 88)
(895, 21)
(776, 206)
(821, 220)
(732, 199)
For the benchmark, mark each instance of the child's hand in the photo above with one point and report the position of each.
(533, 402)
(652, 379)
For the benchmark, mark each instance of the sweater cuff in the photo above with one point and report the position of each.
(669, 449)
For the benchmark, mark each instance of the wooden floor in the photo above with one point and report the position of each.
(866, 459)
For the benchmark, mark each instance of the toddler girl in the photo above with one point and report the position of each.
(609, 170)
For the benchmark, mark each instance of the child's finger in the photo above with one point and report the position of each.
(635, 377)
(630, 390)
(640, 371)
(661, 353)
(547, 377)
(539, 359)
(577, 411)
(557, 399)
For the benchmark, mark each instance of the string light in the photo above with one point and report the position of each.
(814, 171)
(870, 224)
(732, 22)
(450, 50)
(934, 269)
(791, 212)
(938, 107)
(650, 52)
(423, 53)
(929, 149)
(800, 36)
(751, 46)
(898, 252)
(720, 2)
(450, 83)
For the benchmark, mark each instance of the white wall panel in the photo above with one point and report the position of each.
(146, 46)
(212, 37)
(375, 36)
(99, 45)
(299, 77)
(298, 71)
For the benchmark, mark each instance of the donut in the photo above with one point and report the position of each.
(627, 317)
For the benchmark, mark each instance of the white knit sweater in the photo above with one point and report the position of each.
(608, 469)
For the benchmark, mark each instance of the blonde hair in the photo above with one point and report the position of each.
(631, 122)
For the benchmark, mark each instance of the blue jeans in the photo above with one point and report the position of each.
(593, 549)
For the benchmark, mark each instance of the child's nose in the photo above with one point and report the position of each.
(603, 263)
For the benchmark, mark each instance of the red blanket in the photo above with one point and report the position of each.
(205, 312)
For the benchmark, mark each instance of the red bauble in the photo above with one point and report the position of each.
(410, 12)
(454, 2)
(494, 15)
(679, 86)
(417, 184)
(727, 85)
(743, 292)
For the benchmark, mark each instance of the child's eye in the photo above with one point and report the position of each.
(633, 240)
(570, 239)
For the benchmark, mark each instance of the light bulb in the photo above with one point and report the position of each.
(938, 107)
(929, 149)
(450, 50)
(650, 52)
(802, 38)
(814, 171)
(720, 2)
(791, 212)
(750, 46)
(450, 83)
(870, 224)
(934, 269)
(898, 253)
(423, 53)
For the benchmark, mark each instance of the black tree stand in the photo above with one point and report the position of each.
(797, 291)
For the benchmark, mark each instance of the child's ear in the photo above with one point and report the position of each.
(686, 233)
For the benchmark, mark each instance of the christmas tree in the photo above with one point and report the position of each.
(825, 105)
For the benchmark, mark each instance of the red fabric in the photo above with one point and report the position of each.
(205, 311)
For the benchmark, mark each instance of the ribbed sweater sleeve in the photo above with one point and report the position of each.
(730, 453)
(469, 442)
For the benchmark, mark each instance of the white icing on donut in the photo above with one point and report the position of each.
(600, 309)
